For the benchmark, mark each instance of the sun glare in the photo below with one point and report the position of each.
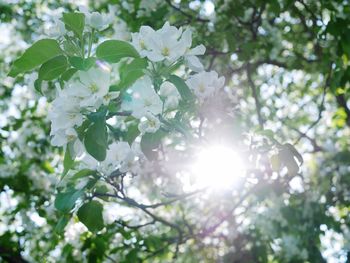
(218, 167)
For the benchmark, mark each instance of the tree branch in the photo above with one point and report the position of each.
(255, 95)
(189, 16)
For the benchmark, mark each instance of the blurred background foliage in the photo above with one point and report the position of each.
(287, 72)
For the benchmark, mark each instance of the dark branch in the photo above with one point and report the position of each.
(189, 16)
(320, 106)
(255, 95)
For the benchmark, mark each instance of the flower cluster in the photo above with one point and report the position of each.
(94, 20)
(149, 100)
(97, 20)
(205, 84)
(85, 92)
(168, 44)
(144, 104)
(119, 156)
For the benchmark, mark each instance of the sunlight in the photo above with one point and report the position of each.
(218, 167)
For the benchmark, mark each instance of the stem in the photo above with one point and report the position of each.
(82, 47)
(77, 50)
(255, 96)
(90, 41)
(120, 113)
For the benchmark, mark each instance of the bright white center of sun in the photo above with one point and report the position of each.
(218, 167)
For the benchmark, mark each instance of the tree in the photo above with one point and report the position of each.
(174, 131)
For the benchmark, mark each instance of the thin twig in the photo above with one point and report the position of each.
(255, 96)
(320, 107)
(189, 16)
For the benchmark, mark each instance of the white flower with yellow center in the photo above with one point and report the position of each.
(141, 98)
(165, 44)
(149, 124)
(190, 55)
(205, 84)
(62, 137)
(91, 88)
(64, 115)
(141, 40)
(96, 20)
(119, 156)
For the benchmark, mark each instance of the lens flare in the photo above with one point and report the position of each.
(218, 167)
(104, 66)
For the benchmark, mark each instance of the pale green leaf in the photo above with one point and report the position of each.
(40, 52)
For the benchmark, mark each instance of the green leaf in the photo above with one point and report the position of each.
(269, 134)
(275, 7)
(100, 246)
(37, 85)
(90, 214)
(74, 22)
(102, 189)
(99, 115)
(53, 68)
(91, 183)
(82, 64)
(68, 161)
(129, 73)
(114, 88)
(61, 224)
(275, 162)
(83, 173)
(132, 256)
(342, 157)
(40, 52)
(294, 152)
(132, 133)
(47, 167)
(68, 74)
(65, 202)
(287, 159)
(114, 50)
(184, 90)
(82, 129)
(95, 140)
(150, 143)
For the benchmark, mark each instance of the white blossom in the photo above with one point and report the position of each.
(64, 115)
(165, 44)
(57, 29)
(150, 124)
(73, 231)
(190, 55)
(88, 90)
(142, 99)
(171, 95)
(141, 40)
(96, 20)
(119, 155)
(168, 43)
(62, 137)
(205, 84)
(121, 31)
(129, 163)
(91, 88)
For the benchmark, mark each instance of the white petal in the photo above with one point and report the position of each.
(198, 50)
(194, 63)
